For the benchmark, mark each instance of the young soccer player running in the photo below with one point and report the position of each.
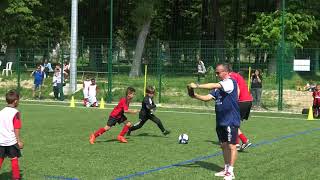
(117, 116)
(10, 124)
(245, 103)
(147, 109)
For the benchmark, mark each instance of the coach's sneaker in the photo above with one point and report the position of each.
(122, 139)
(220, 174)
(166, 132)
(229, 176)
(238, 147)
(92, 139)
(245, 146)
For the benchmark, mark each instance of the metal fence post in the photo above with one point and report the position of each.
(159, 63)
(18, 70)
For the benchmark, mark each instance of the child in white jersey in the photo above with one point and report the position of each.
(10, 124)
(92, 94)
(86, 84)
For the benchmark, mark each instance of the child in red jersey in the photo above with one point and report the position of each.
(316, 101)
(10, 124)
(117, 116)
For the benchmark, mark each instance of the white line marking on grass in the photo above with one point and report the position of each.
(142, 173)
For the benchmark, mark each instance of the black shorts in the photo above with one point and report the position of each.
(245, 108)
(227, 134)
(113, 121)
(10, 151)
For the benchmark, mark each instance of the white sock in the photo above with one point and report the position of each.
(230, 169)
(226, 166)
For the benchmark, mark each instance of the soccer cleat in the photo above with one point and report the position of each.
(220, 174)
(229, 176)
(122, 139)
(238, 147)
(166, 132)
(245, 146)
(92, 139)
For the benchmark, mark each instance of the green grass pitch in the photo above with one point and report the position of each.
(57, 147)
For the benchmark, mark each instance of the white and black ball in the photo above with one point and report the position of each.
(183, 139)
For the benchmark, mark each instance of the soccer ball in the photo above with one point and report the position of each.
(183, 139)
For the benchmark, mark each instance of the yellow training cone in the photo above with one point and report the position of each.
(310, 114)
(72, 104)
(101, 104)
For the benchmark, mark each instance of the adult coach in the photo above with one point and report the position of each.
(225, 94)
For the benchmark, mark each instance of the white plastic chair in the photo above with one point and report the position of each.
(0, 63)
(7, 69)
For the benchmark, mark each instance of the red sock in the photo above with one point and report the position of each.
(1, 161)
(15, 168)
(243, 138)
(125, 129)
(99, 132)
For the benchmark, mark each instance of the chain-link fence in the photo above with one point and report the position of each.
(171, 65)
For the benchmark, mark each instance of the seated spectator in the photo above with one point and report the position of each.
(86, 84)
(47, 67)
(201, 68)
(92, 92)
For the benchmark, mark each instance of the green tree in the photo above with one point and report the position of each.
(29, 24)
(265, 33)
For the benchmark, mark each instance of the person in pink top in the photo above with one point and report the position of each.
(245, 103)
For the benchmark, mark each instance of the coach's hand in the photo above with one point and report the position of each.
(193, 85)
(190, 91)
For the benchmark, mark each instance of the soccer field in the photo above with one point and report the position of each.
(57, 146)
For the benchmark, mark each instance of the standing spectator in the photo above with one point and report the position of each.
(316, 101)
(10, 125)
(38, 81)
(66, 69)
(256, 88)
(57, 85)
(225, 94)
(201, 68)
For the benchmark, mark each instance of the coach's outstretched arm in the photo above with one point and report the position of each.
(206, 86)
(208, 97)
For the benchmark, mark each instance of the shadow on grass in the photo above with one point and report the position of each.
(202, 164)
(110, 140)
(213, 142)
(8, 175)
(149, 135)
